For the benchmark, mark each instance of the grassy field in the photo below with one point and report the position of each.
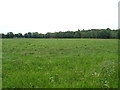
(60, 63)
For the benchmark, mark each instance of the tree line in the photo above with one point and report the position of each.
(93, 33)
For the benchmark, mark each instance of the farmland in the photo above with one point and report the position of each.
(60, 63)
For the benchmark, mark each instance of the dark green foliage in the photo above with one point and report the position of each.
(10, 35)
(105, 33)
(93, 33)
(118, 35)
(77, 34)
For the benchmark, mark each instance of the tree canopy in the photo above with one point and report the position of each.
(93, 33)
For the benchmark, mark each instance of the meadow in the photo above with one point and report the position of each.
(60, 63)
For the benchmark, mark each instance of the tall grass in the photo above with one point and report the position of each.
(60, 63)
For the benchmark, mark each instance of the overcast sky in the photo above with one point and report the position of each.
(21, 16)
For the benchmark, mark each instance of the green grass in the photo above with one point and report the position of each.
(60, 63)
